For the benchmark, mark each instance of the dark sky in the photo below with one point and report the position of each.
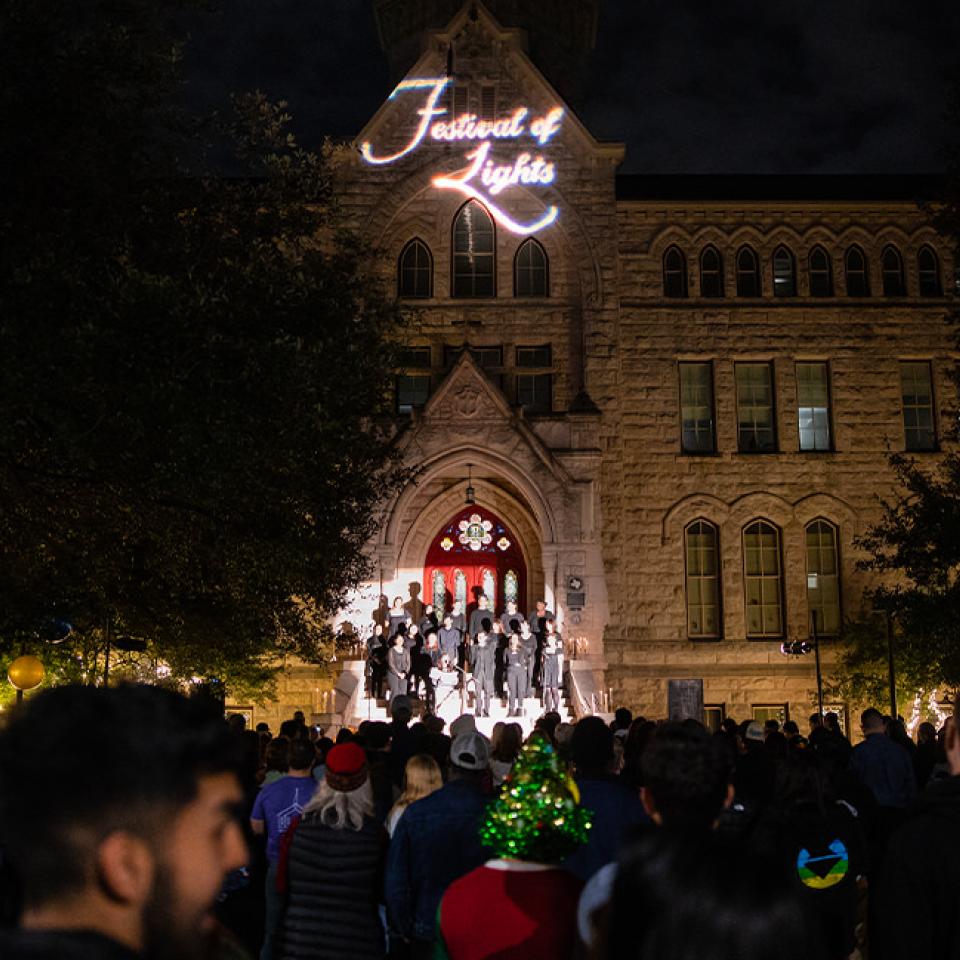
(691, 86)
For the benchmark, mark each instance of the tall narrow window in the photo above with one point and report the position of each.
(414, 382)
(928, 273)
(784, 274)
(748, 273)
(696, 408)
(813, 405)
(488, 103)
(855, 267)
(535, 379)
(439, 594)
(674, 273)
(916, 384)
(821, 274)
(530, 270)
(756, 421)
(763, 587)
(892, 264)
(511, 587)
(823, 577)
(415, 277)
(703, 580)
(474, 245)
(460, 588)
(490, 588)
(711, 273)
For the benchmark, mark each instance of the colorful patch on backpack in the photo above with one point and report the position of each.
(825, 870)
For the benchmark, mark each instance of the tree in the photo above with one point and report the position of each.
(195, 371)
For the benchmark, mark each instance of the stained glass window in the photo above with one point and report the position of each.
(511, 587)
(490, 588)
(439, 594)
(475, 532)
(460, 588)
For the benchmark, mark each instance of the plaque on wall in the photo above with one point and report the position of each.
(685, 700)
(576, 601)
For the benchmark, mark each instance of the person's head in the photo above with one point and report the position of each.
(299, 717)
(277, 755)
(541, 608)
(398, 641)
(421, 776)
(486, 625)
(832, 721)
(692, 896)
(871, 721)
(790, 728)
(591, 747)
(550, 627)
(140, 848)
(302, 756)
(497, 627)
(771, 726)
(431, 637)
(622, 718)
(428, 609)
(524, 629)
(398, 603)
(376, 736)
(926, 733)
(469, 755)
(815, 721)
(514, 641)
(730, 727)
(686, 776)
(508, 744)
(413, 630)
(401, 710)
(447, 620)
(482, 601)
(343, 799)
(511, 606)
(951, 739)
(457, 607)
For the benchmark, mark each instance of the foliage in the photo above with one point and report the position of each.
(537, 816)
(194, 371)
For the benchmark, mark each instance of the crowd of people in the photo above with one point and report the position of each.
(123, 813)
(509, 656)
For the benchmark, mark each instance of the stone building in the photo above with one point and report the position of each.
(662, 404)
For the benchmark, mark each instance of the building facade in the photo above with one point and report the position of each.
(664, 405)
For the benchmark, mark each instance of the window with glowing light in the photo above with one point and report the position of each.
(823, 577)
(762, 580)
(919, 428)
(784, 273)
(756, 418)
(415, 271)
(511, 587)
(460, 588)
(697, 433)
(703, 581)
(813, 405)
(474, 253)
(439, 594)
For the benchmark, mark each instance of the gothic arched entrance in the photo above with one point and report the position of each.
(474, 553)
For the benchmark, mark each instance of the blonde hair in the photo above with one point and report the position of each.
(341, 810)
(421, 777)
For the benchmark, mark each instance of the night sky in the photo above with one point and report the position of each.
(737, 86)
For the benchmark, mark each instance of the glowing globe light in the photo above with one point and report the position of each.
(25, 673)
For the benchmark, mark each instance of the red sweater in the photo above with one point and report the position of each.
(509, 909)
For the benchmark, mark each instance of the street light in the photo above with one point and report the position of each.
(891, 674)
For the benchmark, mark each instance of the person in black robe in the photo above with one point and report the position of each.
(398, 667)
(538, 618)
(515, 661)
(397, 617)
(528, 640)
(511, 618)
(376, 663)
(459, 617)
(483, 612)
(429, 620)
(552, 672)
(484, 657)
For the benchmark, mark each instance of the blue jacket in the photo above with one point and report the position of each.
(616, 809)
(886, 768)
(437, 841)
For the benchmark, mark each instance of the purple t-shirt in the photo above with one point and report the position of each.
(277, 804)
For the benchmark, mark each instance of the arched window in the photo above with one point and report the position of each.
(823, 577)
(530, 271)
(703, 580)
(748, 273)
(855, 267)
(460, 588)
(762, 580)
(711, 273)
(438, 593)
(511, 587)
(474, 252)
(674, 273)
(928, 273)
(784, 273)
(821, 274)
(892, 264)
(415, 271)
(490, 588)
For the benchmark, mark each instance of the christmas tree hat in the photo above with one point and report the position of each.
(537, 816)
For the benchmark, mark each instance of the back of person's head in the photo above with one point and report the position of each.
(322, 746)
(508, 743)
(376, 735)
(730, 727)
(401, 709)
(622, 718)
(693, 898)
(926, 732)
(138, 763)
(776, 744)
(832, 720)
(802, 780)
(771, 725)
(302, 755)
(872, 720)
(790, 728)
(685, 776)
(277, 755)
(421, 776)
(591, 746)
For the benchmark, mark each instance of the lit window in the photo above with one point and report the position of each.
(855, 266)
(530, 270)
(756, 427)
(711, 273)
(813, 405)
(696, 408)
(674, 273)
(784, 275)
(823, 577)
(415, 273)
(439, 592)
(892, 264)
(917, 394)
(821, 274)
(748, 273)
(928, 273)
(763, 588)
(474, 243)
(703, 580)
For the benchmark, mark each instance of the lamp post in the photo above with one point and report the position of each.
(891, 670)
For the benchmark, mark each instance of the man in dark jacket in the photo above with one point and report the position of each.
(918, 915)
(120, 838)
(437, 841)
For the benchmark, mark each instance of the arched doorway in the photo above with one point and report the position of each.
(474, 553)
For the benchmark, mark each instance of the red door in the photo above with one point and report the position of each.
(472, 554)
